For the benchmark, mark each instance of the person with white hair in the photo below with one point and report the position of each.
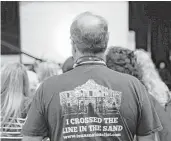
(91, 102)
(151, 78)
(47, 69)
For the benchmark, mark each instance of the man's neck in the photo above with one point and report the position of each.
(100, 56)
(89, 60)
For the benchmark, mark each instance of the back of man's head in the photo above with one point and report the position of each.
(90, 33)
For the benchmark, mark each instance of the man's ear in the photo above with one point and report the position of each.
(107, 37)
(74, 48)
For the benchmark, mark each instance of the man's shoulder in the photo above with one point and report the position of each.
(56, 81)
(121, 76)
(49, 87)
(62, 80)
(53, 80)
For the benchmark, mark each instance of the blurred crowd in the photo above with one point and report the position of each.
(19, 84)
(21, 88)
(18, 87)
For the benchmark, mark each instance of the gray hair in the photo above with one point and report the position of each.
(46, 70)
(90, 33)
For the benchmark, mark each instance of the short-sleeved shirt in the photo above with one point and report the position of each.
(91, 102)
(165, 134)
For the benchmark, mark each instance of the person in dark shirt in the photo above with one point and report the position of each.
(165, 74)
(125, 61)
(66, 107)
(68, 64)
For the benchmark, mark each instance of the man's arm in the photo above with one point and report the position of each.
(148, 123)
(29, 138)
(35, 127)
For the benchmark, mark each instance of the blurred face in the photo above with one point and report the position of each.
(33, 87)
(162, 65)
(33, 82)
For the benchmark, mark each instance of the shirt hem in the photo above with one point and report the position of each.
(26, 133)
(152, 131)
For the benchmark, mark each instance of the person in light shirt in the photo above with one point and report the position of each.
(15, 100)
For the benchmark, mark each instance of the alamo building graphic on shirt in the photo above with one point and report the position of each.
(90, 95)
(92, 110)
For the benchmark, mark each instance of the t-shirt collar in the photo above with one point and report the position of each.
(91, 60)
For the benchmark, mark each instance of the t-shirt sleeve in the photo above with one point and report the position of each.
(35, 124)
(148, 121)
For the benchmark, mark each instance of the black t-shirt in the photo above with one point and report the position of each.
(91, 102)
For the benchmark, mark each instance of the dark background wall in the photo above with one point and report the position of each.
(151, 22)
(10, 29)
(154, 19)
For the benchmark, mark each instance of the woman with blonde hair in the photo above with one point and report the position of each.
(14, 99)
(151, 78)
